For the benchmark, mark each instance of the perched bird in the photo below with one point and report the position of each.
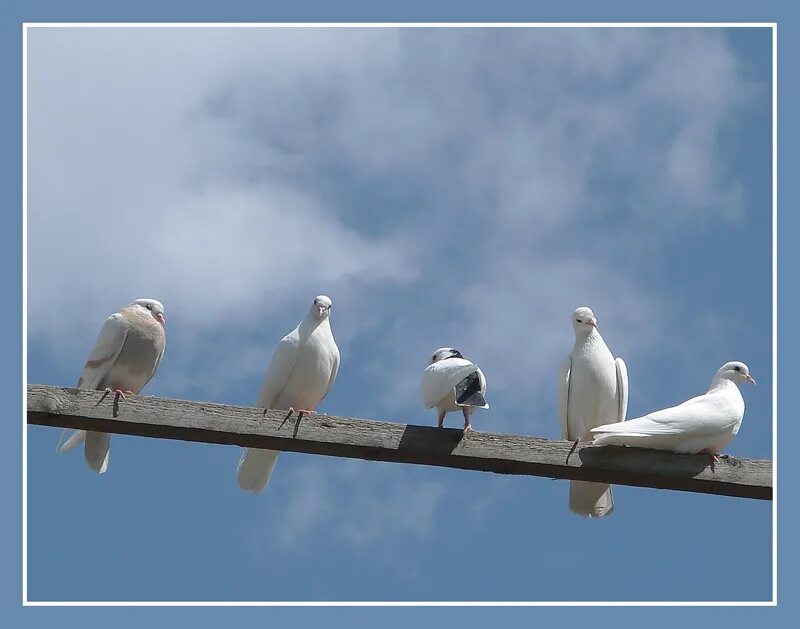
(450, 382)
(706, 424)
(592, 390)
(299, 376)
(126, 355)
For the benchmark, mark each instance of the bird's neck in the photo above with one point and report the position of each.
(588, 339)
(720, 384)
(310, 324)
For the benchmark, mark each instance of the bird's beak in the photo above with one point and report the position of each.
(321, 310)
(750, 379)
(160, 318)
(593, 322)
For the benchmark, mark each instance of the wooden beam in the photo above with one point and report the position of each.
(398, 443)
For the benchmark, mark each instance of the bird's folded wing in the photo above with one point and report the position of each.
(158, 361)
(563, 396)
(279, 369)
(622, 388)
(439, 379)
(106, 350)
(698, 416)
(334, 371)
(470, 390)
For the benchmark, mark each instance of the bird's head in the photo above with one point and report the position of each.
(735, 371)
(321, 308)
(443, 353)
(152, 307)
(583, 320)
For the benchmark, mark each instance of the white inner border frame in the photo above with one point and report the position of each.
(773, 26)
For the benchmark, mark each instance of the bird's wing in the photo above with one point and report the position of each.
(482, 380)
(106, 350)
(700, 415)
(158, 361)
(563, 396)
(471, 390)
(622, 388)
(439, 379)
(279, 369)
(334, 371)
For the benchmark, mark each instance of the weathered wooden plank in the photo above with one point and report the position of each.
(399, 443)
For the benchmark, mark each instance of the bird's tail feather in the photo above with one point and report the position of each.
(590, 499)
(74, 439)
(255, 469)
(97, 450)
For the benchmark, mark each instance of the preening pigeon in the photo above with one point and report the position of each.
(705, 424)
(450, 382)
(592, 390)
(299, 376)
(125, 357)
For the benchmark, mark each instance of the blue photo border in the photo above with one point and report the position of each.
(12, 16)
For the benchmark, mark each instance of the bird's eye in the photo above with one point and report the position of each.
(737, 368)
(149, 306)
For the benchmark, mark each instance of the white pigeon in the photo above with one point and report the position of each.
(592, 390)
(706, 424)
(450, 382)
(125, 357)
(299, 376)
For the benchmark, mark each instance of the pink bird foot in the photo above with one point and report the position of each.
(714, 456)
(118, 394)
(300, 412)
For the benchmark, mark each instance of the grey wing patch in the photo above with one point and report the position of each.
(468, 391)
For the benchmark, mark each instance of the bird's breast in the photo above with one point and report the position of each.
(136, 362)
(311, 375)
(592, 394)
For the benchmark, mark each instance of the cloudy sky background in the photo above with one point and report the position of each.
(464, 187)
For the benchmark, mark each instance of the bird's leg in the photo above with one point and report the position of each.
(714, 456)
(572, 449)
(467, 425)
(441, 418)
(118, 393)
(300, 412)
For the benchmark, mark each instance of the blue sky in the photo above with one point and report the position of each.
(445, 187)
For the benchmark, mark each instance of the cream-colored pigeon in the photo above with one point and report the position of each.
(592, 390)
(299, 376)
(451, 383)
(705, 424)
(125, 357)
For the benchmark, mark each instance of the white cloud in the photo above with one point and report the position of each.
(356, 502)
